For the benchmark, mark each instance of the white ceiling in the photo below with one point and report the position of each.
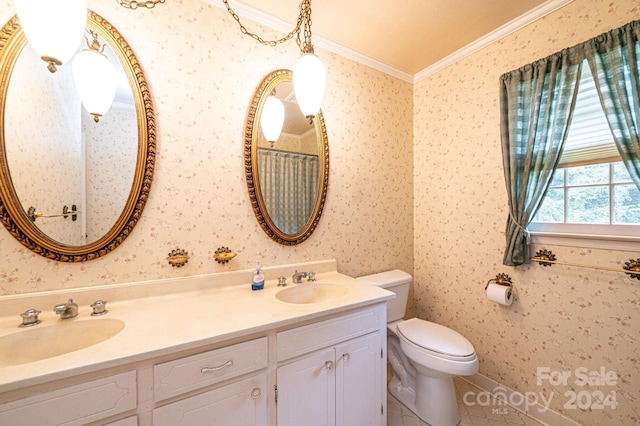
(409, 39)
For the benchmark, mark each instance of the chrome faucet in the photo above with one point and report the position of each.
(297, 276)
(66, 310)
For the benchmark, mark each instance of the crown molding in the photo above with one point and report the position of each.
(508, 28)
(269, 21)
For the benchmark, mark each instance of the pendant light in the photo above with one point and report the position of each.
(53, 28)
(309, 74)
(272, 118)
(309, 79)
(95, 78)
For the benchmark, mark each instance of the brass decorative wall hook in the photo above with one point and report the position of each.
(224, 255)
(546, 257)
(633, 266)
(178, 258)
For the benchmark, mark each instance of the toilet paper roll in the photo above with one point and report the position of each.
(501, 294)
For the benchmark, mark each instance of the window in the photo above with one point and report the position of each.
(591, 193)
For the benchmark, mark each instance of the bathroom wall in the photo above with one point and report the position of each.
(564, 318)
(202, 74)
(108, 173)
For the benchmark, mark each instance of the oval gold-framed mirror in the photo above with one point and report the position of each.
(287, 179)
(24, 220)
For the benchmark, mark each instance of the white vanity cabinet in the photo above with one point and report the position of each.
(241, 402)
(294, 366)
(335, 373)
(75, 405)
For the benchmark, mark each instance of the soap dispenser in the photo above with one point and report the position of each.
(258, 279)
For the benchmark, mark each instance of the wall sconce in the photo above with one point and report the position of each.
(53, 28)
(95, 78)
(309, 74)
(272, 118)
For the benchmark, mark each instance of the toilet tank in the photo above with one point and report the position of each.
(396, 281)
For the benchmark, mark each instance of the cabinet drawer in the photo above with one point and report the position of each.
(239, 403)
(186, 374)
(74, 405)
(308, 338)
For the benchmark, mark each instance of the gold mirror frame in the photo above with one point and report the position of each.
(251, 134)
(12, 214)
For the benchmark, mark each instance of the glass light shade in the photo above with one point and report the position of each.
(54, 28)
(272, 118)
(309, 80)
(95, 80)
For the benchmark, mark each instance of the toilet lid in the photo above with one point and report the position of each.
(436, 338)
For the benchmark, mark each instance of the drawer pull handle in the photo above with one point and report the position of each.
(256, 393)
(218, 368)
(346, 357)
(328, 365)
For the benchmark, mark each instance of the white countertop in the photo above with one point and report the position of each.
(210, 310)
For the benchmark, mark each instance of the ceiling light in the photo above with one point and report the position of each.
(95, 78)
(53, 28)
(309, 75)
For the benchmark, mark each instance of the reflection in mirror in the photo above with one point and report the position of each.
(58, 159)
(288, 177)
(58, 155)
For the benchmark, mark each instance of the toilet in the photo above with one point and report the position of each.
(424, 356)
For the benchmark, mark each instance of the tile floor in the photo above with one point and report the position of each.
(470, 415)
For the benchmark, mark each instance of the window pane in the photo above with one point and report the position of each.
(588, 175)
(558, 178)
(552, 209)
(626, 204)
(620, 173)
(588, 205)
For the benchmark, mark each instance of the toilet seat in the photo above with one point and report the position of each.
(436, 339)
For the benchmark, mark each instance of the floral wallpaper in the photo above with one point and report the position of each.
(110, 153)
(202, 73)
(566, 322)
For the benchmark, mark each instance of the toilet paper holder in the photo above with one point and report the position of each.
(502, 279)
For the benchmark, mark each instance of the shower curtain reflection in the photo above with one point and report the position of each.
(289, 183)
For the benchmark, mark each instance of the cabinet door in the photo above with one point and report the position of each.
(359, 388)
(306, 391)
(240, 403)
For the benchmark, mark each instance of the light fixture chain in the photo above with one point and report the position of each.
(303, 17)
(305, 45)
(134, 4)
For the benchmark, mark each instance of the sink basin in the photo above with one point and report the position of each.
(42, 342)
(311, 293)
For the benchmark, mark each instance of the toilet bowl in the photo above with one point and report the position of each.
(424, 356)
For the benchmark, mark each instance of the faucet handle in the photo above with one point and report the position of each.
(311, 276)
(30, 318)
(99, 308)
(282, 281)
